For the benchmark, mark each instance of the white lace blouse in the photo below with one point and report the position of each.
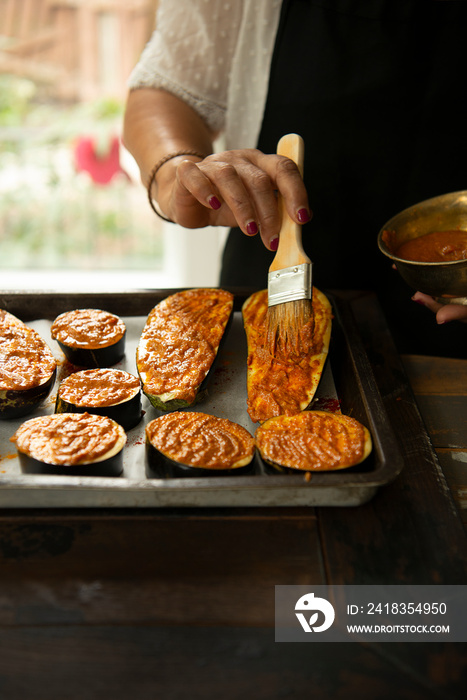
(216, 56)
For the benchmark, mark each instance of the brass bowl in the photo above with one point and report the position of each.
(446, 281)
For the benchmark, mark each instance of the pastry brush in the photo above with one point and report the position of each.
(289, 278)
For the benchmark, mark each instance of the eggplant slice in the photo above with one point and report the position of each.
(27, 368)
(179, 345)
(189, 443)
(282, 383)
(312, 441)
(76, 444)
(105, 392)
(90, 337)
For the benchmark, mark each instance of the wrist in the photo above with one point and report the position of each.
(154, 181)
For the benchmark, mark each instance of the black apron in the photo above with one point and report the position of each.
(377, 90)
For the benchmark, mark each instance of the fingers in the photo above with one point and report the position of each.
(277, 174)
(425, 300)
(190, 177)
(292, 188)
(240, 187)
(444, 312)
(238, 190)
(452, 312)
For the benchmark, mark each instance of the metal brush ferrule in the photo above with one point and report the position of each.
(290, 284)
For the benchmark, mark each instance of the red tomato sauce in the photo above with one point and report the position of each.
(437, 246)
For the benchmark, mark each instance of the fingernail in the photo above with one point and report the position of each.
(303, 216)
(418, 301)
(214, 202)
(252, 228)
(274, 243)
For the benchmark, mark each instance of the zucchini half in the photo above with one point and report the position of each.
(179, 344)
(312, 441)
(105, 392)
(76, 444)
(284, 383)
(90, 337)
(27, 368)
(192, 444)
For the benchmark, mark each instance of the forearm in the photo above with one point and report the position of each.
(157, 123)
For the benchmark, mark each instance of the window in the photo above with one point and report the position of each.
(72, 206)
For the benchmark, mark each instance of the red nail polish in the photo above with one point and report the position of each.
(252, 228)
(303, 216)
(214, 202)
(274, 243)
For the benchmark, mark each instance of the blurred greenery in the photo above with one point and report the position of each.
(50, 215)
(16, 100)
(21, 105)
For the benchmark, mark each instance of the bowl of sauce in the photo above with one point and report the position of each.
(428, 245)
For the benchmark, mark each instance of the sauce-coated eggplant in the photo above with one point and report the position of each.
(312, 441)
(90, 337)
(179, 345)
(196, 444)
(27, 368)
(106, 392)
(282, 382)
(76, 444)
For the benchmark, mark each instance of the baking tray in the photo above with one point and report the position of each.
(347, 381)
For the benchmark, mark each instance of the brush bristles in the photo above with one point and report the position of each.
(285, 323)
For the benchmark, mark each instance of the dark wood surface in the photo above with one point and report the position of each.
(440, 389)
(179, 604)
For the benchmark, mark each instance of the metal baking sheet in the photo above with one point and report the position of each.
(347, 382)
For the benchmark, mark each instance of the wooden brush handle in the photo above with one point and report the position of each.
(290, 250)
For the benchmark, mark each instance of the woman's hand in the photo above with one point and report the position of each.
(232, 188)
(444, 312)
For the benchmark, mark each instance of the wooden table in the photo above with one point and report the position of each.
(180, 603)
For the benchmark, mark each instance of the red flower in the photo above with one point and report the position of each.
(101, 168)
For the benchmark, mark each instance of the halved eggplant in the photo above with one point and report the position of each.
(179, 345)
(90, 337)
(282, 382)
(105, 392)
(193, 444)
(76, 444)
(312, 441)
(27, 368)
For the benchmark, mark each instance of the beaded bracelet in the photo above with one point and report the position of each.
(154, 171)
